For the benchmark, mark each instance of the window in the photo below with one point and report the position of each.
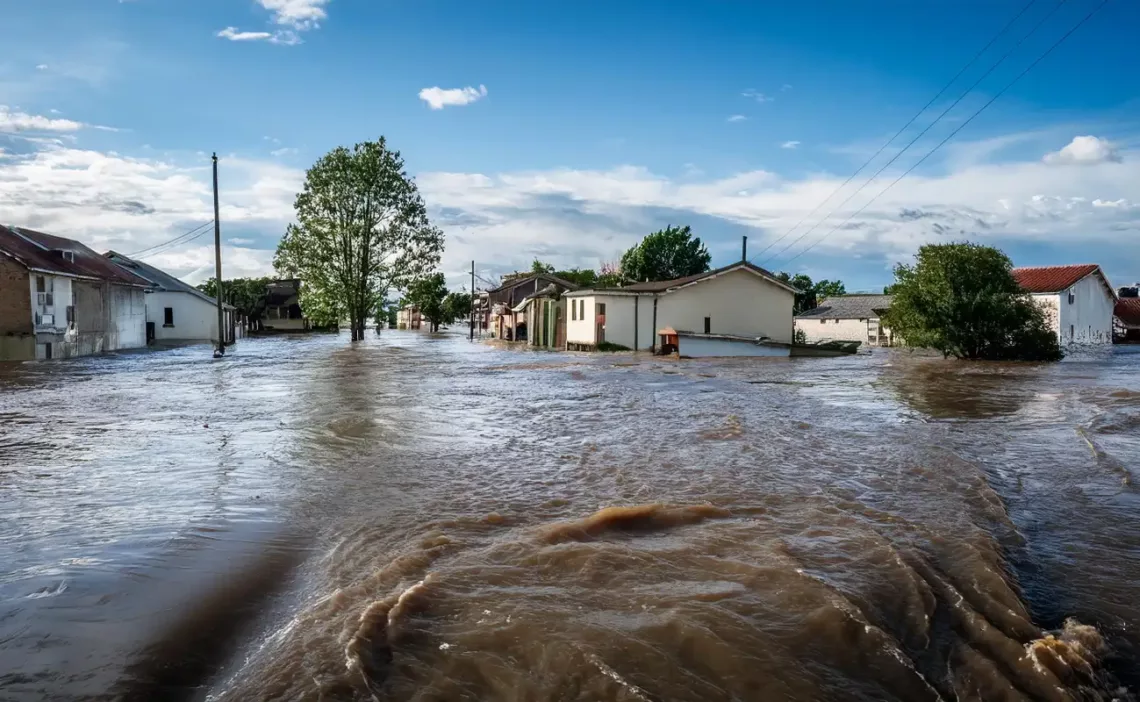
(1072, 332)
(574, 310)
(41, 285)
(1072, 296)
(168, 317)
(708, 325)
(71, 314)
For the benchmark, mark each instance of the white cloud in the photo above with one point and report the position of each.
(737, 118)
(237, 241)
(438, 98)
(233, 34)
(42, 67)
(301, 15)
(757, 96)
(790, 144)
(14, 121)
(1083, 150)
(286, 151)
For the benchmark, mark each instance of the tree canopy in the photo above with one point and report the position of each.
(457, 305)
(429, 294)
(810, 294)
(670, 253)
(247, 295)
(362, 229)
(962, 300)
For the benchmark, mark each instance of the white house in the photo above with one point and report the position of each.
(60, 299)
(1078, 300)
(738, 300)
(177, 311)
(847, 318)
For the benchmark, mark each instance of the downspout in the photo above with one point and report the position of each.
(636, 299)
(654, 347)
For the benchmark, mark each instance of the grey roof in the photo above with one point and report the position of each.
(848, 307)
(160, 280)
(663, 286)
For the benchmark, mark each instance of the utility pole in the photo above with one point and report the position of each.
(221, 349)
(472, 311)
(744, 249)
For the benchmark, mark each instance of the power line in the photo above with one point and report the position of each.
(902, 129)
(176, 240)
(951, 135)
(924, 131)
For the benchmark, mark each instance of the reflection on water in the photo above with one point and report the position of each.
(416, 517)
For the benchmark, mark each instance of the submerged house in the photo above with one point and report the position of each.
(177, 311)
(504, 321)
(1126, 316)
(740, 301)
(409, 317)
(1078, 301)
(545, 315)
(283, 307)
(847, 318)
(60, 299)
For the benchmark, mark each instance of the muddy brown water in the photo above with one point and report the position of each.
(419, 518)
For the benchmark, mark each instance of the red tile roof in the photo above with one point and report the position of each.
(1051, 279)
(40, 251)
(1128, 310)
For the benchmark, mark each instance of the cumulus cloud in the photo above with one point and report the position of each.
(297, 15)
(1084, 150)
(789, 144)
(438, 98)
(283, 37)
(14, 121)
(737, 118)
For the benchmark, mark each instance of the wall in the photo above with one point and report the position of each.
(194, 318)
(740, 303)
(1051, 306)
(17, 340)
(838, 329)
(127, 328)
(578, 330)
(1089, 319)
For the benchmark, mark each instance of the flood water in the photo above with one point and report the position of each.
(420, 518)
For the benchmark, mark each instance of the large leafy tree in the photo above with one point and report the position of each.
(429, 294)
(457, 305)
(670, 253)
(811, 294)
(962, 300)
(247, 295)
(362, 230)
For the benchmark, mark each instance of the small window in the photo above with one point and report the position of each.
(41, 285)
(708, 325)
(168, 317)
(574, 310)
(1072, 296)
(71, 314)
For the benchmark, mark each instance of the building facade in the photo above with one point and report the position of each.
(177, 311)
(1078, 301)
(60, 299)
(738, 300)
(847, 318)
(283, 307)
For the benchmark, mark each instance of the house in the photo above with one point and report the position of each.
(847, 318)
(409, 317)
(505, 322)
(545, 315)
(740, 300)
(1078, 301)
(177, 311)
(60, 299)
(283, 308)
(1126, 322)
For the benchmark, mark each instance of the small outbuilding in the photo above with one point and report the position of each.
(847, 318)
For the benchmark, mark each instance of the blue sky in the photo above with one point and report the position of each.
(567, 131)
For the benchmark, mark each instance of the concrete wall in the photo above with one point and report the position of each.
(194, 318)
(1088, 320)
(579, 325)
(835, 329)
(621, 311)
(17, 339)
(739, 303)
(127, 328)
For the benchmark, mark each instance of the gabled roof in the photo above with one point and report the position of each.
(159, 279)
(522, 280)
(1054, 279)
(1128, 311)
(663, 286)
(40, 252)
(848, 307)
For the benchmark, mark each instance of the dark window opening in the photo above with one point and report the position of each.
(708, 325)
(168, 317)
(70, 314)
(573, 310)
(41, 286)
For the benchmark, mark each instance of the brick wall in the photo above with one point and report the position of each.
(15, 298)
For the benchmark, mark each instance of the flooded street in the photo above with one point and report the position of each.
(420, 518)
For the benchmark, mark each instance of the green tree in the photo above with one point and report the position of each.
(670, 253)
(539, 267)
(810, 294)
(428, 294)
(457, 305)
(362, 229)
(962, 300)
(582, 277)
(247, 295)
(889, 289)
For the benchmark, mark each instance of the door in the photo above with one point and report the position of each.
(600, 322)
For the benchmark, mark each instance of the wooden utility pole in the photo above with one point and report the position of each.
(472, 311)
(221, 349)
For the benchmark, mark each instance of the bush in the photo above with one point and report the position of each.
(962, 300)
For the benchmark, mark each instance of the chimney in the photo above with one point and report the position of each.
(744, 249)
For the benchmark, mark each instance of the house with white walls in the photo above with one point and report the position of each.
(739, 300)
(1078, 300)
(177, 311)
(855, 317)
(60, 299)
